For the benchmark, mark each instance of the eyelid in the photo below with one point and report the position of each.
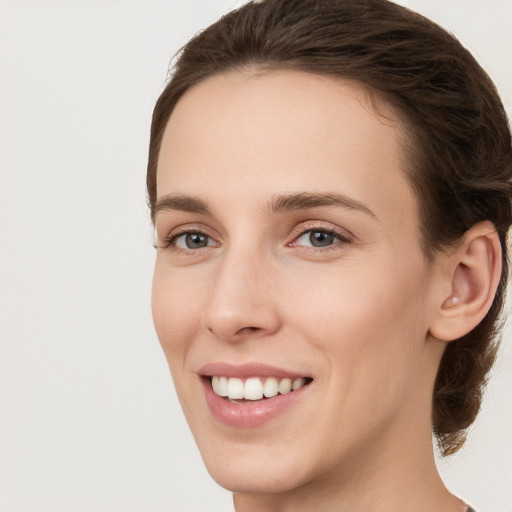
(343, 235)
(298, 231)
(169, 239)
(175, 241)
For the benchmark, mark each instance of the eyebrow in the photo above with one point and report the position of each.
(279, 203)
(180, 203)
(308, 200)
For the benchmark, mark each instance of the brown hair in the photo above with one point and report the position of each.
(459, 147)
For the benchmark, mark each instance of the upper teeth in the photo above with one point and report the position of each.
(254, 388)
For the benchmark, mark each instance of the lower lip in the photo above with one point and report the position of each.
(249, 414)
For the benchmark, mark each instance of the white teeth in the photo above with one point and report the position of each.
(254, 388)
(223, 386)
(235, 389)
(285, 386)
(220, 385)
(271, 387)
(215, 384)
(298, 383)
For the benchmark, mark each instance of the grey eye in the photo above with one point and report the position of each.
(317, 238)
(321, 238)
(193, 241)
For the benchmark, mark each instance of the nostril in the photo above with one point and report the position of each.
(233, 326)
(247, 330)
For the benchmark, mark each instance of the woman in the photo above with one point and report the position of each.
(330, 184)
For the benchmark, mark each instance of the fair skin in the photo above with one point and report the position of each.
(357, 310)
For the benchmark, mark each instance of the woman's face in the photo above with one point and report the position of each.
(289, 250)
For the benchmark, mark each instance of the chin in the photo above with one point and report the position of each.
(246, 478)
(259, 467)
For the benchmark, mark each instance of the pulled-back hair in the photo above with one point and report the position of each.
(458, 150)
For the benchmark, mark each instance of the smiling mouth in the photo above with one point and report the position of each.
(252, 389)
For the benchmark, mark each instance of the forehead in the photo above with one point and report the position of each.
(281, 130)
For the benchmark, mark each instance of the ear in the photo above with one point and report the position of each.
(468, 284)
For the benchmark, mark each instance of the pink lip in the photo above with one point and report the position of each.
(244, 371)
(248, 414)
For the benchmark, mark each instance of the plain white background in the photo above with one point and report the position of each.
(88, 416)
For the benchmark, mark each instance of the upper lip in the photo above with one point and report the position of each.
(246, 370)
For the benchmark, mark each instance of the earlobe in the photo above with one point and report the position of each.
(474, 271)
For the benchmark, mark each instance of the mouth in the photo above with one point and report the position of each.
(252, 394)
(238, 390)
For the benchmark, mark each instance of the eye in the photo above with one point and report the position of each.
(316, 239)
(191, 240)
(319, 238)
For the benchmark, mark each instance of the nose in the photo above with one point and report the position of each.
(243, 302)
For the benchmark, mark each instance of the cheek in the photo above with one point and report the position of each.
(358, 296)
(369, 330)
(367, 323)
(175, 313)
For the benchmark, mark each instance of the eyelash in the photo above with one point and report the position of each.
(342, 238)
(170, 241)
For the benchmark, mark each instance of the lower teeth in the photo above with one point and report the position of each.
(243, 400)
